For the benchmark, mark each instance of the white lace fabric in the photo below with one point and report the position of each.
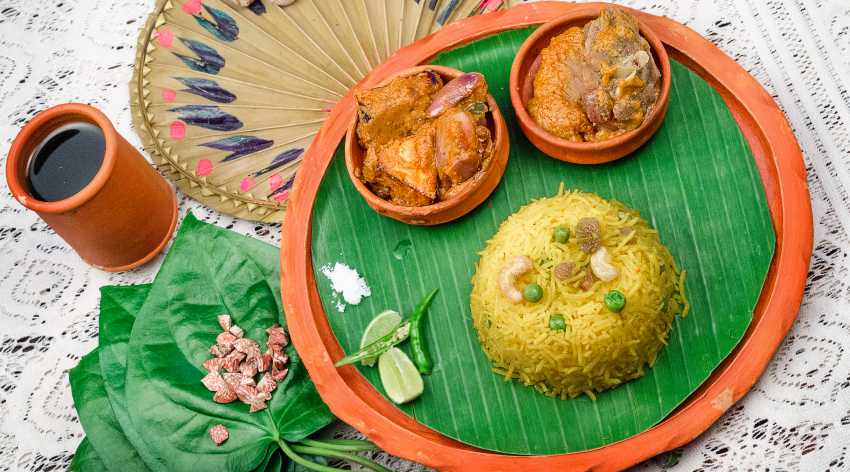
(797, 417)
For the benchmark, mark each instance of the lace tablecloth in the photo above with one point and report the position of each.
(796, 418)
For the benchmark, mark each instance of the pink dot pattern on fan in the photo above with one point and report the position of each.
(203, 168)
(275, 182)
(192, 7)
(177, 129)
(168, 95)
(164, 37)
(247, 184)
(281, 196)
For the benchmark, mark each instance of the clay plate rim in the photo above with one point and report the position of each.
(783, 174)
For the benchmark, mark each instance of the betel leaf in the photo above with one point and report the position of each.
(105, 434)
(209, 271)
(695, 181)
(86, 459)
(118, 307)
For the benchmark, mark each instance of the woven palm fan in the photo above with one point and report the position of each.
(227, 98)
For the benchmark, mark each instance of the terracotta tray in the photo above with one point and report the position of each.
(780, 164)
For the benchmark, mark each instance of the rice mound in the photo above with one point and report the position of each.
(599, 349)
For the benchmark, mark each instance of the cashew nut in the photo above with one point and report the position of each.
(511, 271)
(600, 263)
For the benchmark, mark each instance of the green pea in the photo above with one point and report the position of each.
(615, 300)
(561, 234)
(557, 322)
(533, 293)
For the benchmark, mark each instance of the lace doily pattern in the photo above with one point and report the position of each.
(797, 416)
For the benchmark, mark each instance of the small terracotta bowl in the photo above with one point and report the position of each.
(446, 210)
(525, 67)
(122, 218)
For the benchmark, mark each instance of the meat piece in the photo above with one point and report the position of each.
(597, 82)
(258, 402)
(279, 360)
(266, 384)
(598, 106)
(403, 170)
(219, 434)
(277, 336)
(220, 351)
(233, 361)
(214, 382)
(461, 147)
(612, 36)
(233, 379)
(264, 361)
(214, 364)
(236, 331)
(245, 392)
(225, 322)
(247, 346)
(225, 396)
(588, 234)
(225, 339)
(279, 374)
(249, 367)
(561, 80)
(629, 75)
(395, 110)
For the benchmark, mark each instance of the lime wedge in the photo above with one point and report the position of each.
(401, 380)
(380, 326)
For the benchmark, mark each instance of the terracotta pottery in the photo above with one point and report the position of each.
(525, 67)
(354, 400)
(447, 210)
(122, 218)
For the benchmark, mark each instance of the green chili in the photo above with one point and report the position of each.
(419, 349)
(380, 346)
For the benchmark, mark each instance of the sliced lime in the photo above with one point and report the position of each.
(380, 326)
(401, 380)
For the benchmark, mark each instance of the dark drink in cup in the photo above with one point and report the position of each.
(66, 161)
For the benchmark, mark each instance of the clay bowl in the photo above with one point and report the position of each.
(443, 211)
(524, 68)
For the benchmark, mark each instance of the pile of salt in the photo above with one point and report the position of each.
(346, 282)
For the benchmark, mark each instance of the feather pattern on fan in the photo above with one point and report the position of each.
(227, 98)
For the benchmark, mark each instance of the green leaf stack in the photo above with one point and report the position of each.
(139, 394)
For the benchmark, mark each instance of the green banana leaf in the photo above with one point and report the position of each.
(209, 271)
(695, 182)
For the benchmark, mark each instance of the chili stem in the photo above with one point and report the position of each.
(350, 445)
(290, 453)
(319, 451)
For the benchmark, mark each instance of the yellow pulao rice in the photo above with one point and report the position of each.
(599, 349)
